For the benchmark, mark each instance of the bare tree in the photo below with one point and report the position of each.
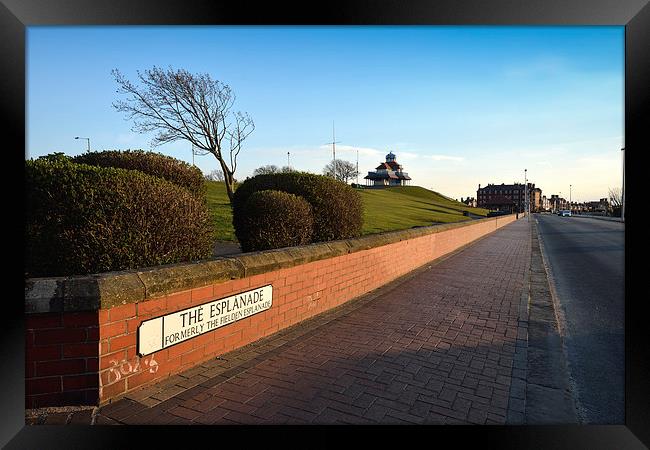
(215, 175)
(345, 170)
(615, 201)
(264, 170)
(180, 105)
(287, 169)
(615, 197)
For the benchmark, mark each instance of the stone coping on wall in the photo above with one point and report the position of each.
(109, 289)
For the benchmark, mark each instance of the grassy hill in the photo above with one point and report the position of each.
(219, 207)
(388, 209)
(402, 207)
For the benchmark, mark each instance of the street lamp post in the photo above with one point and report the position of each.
(288, 163)
(87, 139)
(526, 208)
(570, 203)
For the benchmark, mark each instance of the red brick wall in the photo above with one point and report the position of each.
(61, 359)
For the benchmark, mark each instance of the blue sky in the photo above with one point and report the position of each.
(459, 106)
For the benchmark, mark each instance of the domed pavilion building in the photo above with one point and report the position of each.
(388, 173)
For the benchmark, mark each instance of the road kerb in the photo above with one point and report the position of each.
(549, 392)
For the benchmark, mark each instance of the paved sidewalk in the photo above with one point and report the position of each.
(443, 345)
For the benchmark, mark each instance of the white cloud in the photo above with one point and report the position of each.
(350, 149)
(445, 158)
(406, 155)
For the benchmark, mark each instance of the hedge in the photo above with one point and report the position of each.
(163, 166)
(275, 219)
(337, 208)
(83, 219)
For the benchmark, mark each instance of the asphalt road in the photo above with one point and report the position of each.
(585, 263)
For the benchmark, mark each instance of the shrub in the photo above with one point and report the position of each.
(83, 219)
(56, 156)
(156, 164)
(274, 219)
(336, 207)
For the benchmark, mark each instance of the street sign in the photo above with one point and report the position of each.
(165, 331)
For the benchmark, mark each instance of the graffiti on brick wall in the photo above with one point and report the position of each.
(125, 367)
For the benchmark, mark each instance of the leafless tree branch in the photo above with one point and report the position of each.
(179, 105)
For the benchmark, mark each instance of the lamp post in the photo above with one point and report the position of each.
(87, 139)
(288, 163)
(570, 207)
(526, 209)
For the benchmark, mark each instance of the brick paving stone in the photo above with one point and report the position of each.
(121, 414)
(448, 393)
(208, 404)
(212, 417)
(191, 393)
(398, 417)
(142, 418)
(186, 413)
(103, 420)
(394, 405)
(116, 406)
(477, 416)
(420, 408)
(149, 402)
(439, 346)
(168, 392)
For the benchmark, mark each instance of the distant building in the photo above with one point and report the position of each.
(388, 173)
(535, 199)
(601, 206)
(509, 197)
(469, 201)
(546, 204)
(557, 203)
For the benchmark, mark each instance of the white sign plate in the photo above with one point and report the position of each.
(165, 331)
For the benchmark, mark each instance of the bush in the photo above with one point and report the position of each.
(83, 219)
(274, 219)
(156, 164)
(336, 207)
(56, 156)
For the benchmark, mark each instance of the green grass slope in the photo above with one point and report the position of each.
(388, 209)
(219, 207)
(398, 208)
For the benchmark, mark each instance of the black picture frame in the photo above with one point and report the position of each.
(16, 15)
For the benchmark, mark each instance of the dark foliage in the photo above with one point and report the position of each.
(84, 219)
(336, 207)
(156, 164)
(274, 219)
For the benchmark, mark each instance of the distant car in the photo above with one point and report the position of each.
(565, 213)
